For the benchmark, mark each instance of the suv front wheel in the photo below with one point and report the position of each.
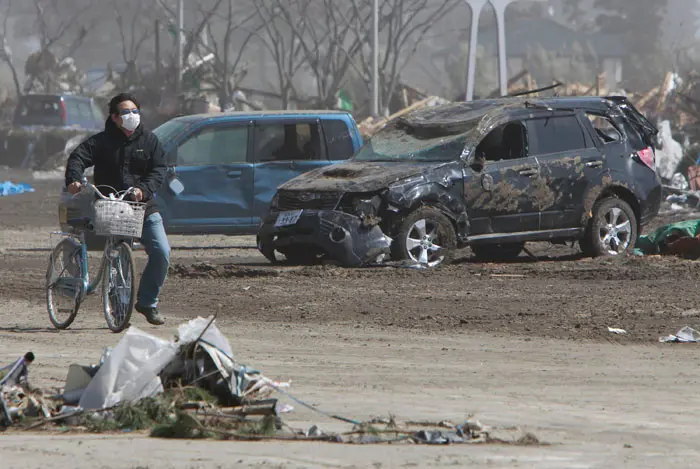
(612, 230)
(426, 237)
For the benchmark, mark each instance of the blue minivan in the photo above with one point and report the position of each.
(224, 168)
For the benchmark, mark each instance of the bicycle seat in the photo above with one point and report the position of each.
(80, 223)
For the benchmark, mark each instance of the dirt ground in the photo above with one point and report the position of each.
(522, 346)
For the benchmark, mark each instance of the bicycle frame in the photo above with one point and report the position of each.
(88, 287)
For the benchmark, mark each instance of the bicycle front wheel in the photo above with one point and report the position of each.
(118, 293)
(64, 283)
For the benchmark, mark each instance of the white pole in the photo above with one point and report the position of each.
(180, 58)
(476, 7)
(375, 58)
(500, 7)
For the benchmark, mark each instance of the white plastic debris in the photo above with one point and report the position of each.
(615, 330)
(670, 153)
(676, 208)
(678, 181)
(685, 335)
(130, 371)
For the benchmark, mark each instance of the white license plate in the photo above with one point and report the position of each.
(288, 218)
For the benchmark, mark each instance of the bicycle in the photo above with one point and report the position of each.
(121, 222)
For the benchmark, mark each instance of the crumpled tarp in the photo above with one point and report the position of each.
(130, 371)
(670, 239)
(10, 188)
(133, 369)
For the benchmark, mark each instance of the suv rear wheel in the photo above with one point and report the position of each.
(612, 230)
(497, 252)
(426, 237)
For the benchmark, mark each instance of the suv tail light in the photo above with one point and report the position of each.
(647, 157)
(64, 113)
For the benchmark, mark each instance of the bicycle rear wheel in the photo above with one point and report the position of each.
(64, 283)
(118, 293)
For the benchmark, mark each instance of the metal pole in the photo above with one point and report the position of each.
(476, 7)
(375, 58)
(157, 45)
(180, 58)
(500, 7)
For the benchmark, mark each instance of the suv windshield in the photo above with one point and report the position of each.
(395, 144)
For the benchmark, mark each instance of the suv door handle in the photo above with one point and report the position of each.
(528, 172)
(594, 164)
(234, 174)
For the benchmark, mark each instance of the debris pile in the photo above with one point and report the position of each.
(40, 148)
(371, 125)
(680, 239)
(192, 387)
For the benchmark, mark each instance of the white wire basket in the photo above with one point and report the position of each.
(118, 218)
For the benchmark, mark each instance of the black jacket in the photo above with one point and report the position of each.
(121, 162)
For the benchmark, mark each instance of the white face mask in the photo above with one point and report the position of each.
(131, 121)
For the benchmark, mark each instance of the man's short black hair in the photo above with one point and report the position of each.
(120, 98)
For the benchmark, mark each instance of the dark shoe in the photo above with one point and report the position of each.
(152, 315)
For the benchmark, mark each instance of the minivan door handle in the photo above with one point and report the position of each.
(234, 174)
(528, 172)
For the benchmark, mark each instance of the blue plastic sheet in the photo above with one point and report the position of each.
(10, 188)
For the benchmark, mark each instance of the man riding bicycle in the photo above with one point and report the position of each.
(127, 155)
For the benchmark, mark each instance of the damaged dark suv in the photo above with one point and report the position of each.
(489, 174)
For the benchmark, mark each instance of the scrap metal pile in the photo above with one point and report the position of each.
(192, 387)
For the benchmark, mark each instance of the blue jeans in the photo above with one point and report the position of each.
(157, 247)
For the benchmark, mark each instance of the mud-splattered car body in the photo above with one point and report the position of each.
(490, 174)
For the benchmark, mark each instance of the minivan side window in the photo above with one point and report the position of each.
(213, 146)
(555, 135)
(288, 142)
(338, 139)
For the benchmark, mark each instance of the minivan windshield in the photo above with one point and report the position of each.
(396, 144)
(171, 129)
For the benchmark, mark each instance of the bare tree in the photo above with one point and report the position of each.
(136, 22)
(334, 37)
(222, 43)
(6, 53)
(283, 44)
(61, 27)
(205, 10)
(330, 35)
(403, 27)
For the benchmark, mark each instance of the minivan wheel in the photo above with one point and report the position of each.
(426, 237)
(612, 230)
(497, 252)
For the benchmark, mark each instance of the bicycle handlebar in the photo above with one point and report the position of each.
(119, 194)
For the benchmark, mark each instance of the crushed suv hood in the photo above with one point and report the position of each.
(356, 176)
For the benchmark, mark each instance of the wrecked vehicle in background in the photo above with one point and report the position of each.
(489, 174)
(46, 128)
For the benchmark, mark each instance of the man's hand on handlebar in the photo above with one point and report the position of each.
(75, 187)
(137, 194)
